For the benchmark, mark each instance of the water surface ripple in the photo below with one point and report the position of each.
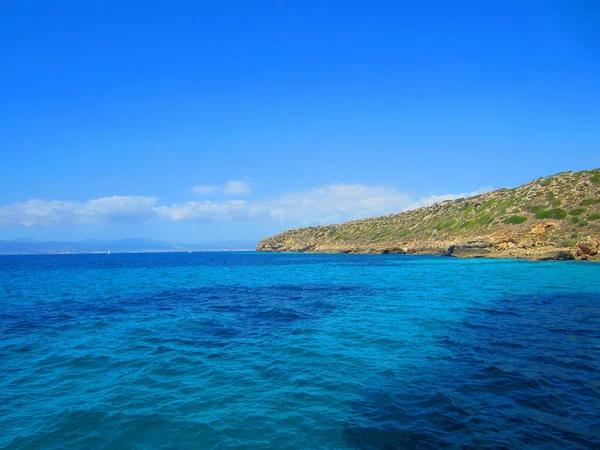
(245, 350)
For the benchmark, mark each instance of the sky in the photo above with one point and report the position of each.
(199, 121)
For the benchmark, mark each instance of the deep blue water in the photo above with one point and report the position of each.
(244, 350)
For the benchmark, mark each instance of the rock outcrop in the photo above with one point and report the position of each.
(588, 246)
(552, 218)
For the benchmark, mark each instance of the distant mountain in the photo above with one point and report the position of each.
(25, 239)
(31, 246)
(556, 217)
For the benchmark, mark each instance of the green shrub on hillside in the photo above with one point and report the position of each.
(554, 213)
(484, 219)
(568, 243)
(489, 203)
(444, 225)
(590, 201)
(594, 217)
(577, 212)
(552, 199)
(515, 220)
(535, 209)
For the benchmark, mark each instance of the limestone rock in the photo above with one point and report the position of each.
(588, 246)
(540, 228)
(555, 256)
(475, 244)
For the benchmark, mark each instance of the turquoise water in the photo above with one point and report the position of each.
(245, 350)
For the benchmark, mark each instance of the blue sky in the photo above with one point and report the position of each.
(199, 121)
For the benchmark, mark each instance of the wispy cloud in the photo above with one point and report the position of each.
(232, 187)
(232, 210)
(97, 211)
(204, 189)
(336, 203)
(236, 187)
(320, 205)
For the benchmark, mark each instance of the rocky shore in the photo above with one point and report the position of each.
(587, 249)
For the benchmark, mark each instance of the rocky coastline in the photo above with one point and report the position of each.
(586, 250)
(551, 218)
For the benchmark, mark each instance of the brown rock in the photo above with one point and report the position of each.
(540, 228)
(506, 244)
(555, 256)
(527, 243)
(588, 246)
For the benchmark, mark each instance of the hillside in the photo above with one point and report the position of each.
(555, 217)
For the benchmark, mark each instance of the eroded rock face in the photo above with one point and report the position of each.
(540, 228)
(588, 246)
(475, 244)
(527, 243)
(506, 244)
(469, 249)
(449, 251)
(555, 256)
(393, 251)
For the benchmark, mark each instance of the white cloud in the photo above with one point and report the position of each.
(236, 187)
(231, 210)
(321, 205)
(204, 189)
(337, 202)
(232, 187)
(97, 211)
(332, 203)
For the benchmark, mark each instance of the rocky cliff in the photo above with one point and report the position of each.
(556, 217)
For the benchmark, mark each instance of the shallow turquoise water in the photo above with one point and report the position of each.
(245, 350)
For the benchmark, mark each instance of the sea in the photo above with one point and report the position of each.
(297, 351)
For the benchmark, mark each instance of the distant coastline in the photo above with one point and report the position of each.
(28, 246)
(121, 252)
